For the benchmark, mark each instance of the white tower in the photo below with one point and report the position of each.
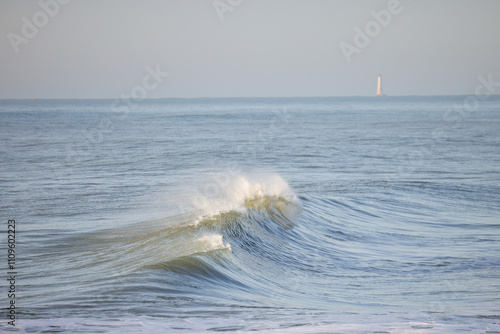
(379, 86)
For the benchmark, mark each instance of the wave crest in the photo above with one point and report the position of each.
(241, 193)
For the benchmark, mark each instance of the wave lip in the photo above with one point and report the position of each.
(236, 192)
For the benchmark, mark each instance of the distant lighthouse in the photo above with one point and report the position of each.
(379, 86)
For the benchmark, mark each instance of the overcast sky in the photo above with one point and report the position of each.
(239, 48)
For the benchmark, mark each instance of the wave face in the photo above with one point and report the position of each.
(235, 235)
(239, 210)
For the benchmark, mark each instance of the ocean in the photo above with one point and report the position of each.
(262, 215)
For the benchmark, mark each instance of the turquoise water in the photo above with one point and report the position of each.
(312, 215)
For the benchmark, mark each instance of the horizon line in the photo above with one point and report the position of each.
(238, 97)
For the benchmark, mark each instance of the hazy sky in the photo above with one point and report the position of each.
(233, 48)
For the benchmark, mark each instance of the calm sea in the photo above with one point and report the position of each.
(293, 215)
